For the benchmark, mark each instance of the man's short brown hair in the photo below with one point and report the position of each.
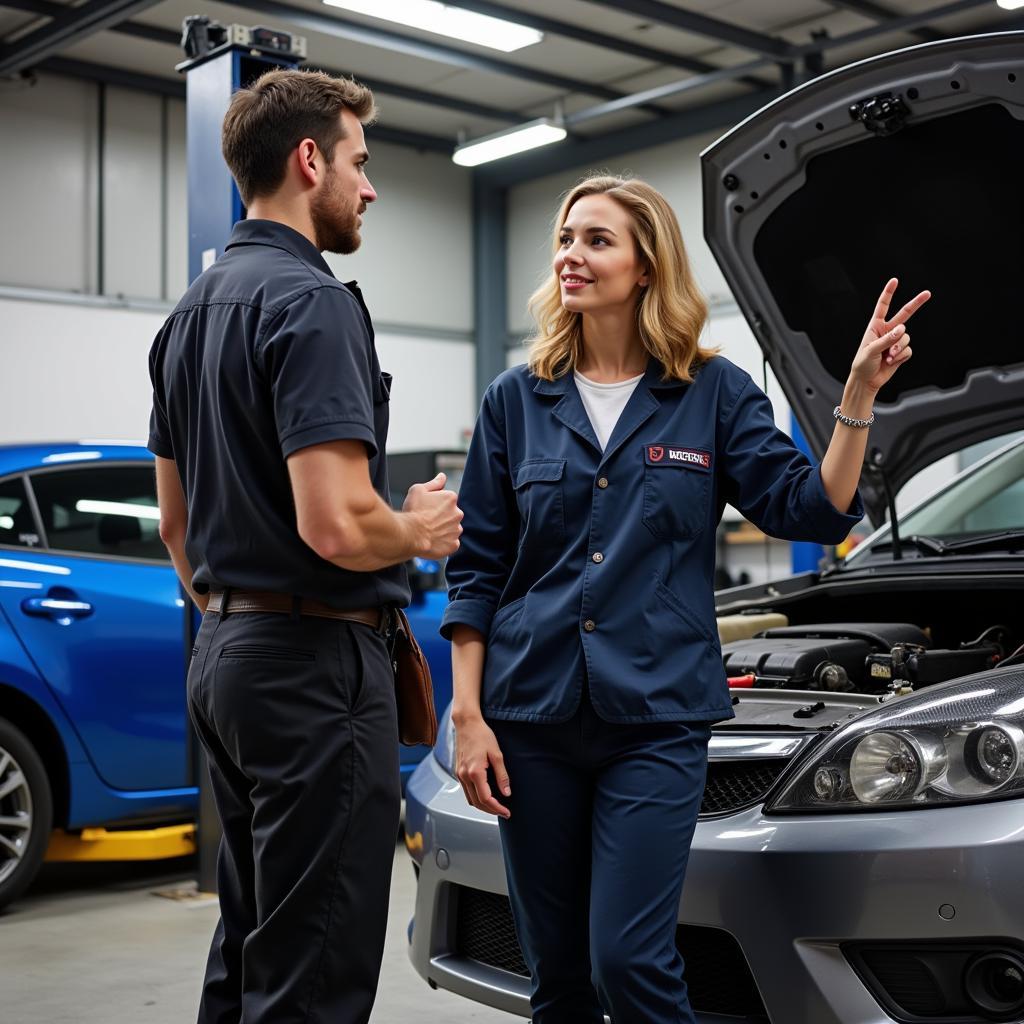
(267, 120)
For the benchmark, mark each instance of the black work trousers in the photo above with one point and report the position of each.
(297, 715)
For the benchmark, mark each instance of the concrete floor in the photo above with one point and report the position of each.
(91, 944)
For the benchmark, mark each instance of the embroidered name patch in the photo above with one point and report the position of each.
(672, 455)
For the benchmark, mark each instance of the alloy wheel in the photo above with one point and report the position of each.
(15, 814)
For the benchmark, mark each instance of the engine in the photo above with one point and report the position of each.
(861, 657)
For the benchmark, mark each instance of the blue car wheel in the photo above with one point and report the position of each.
(26, 812)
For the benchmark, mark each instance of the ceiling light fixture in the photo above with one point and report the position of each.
(541, 132)
(445, 20)
(1010, 5)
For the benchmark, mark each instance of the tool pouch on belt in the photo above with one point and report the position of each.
(417, 719)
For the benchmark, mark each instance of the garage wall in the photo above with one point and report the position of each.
(95, 195)
(122, 233)
(72, 372)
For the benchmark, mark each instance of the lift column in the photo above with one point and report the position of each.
(214, 206)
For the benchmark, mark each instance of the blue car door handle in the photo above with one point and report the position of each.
(61, 609)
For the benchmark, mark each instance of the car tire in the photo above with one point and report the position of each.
(25, 798)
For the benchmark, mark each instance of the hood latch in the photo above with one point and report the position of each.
(883, 114)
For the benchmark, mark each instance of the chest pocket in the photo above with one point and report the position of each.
(538, 487)
(676, 500)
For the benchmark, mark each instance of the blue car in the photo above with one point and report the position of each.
(94, 640)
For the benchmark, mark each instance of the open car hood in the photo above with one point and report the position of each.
(908, 165)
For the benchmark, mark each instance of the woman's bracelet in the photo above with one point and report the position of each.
(850, 421)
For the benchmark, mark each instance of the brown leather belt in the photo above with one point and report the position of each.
(268, 601)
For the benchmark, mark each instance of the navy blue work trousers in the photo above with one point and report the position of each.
(297, 715)
(595, 854)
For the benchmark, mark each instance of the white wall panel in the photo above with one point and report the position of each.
(176, 198)
(48, 170)
(133, 195)
(74, 371)
(433, 395)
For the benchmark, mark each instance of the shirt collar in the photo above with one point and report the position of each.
(280, 236)
(652, 379)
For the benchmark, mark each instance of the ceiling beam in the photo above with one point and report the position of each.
(596, 150)
(431, 99)
(660, 92)
(344, 28)
(582, 34)
(175, 88)
(70, 26)
(69, 68)
(700, 25)
(880, 13)
(901, 24)
(156, 34)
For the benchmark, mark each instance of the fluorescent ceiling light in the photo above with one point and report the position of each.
(444, 20)
(513, 140)
(1010, 5)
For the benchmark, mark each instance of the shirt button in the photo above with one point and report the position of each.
(598, 557)
(602, 482)
(590, 625)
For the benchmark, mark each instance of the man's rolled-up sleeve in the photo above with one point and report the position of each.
(772, 482)
(316, 355)
(159, 442)
(478, 571)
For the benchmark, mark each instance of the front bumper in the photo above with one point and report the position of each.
(789, 890)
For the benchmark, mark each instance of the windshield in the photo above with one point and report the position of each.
(988, 499)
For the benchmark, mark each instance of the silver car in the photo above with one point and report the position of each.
(859, 856)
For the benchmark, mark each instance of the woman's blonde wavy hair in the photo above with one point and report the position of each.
(671, 312)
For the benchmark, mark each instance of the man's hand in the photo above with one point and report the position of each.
(476, 749)
(438, 514)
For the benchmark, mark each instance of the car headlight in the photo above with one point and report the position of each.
(956, 743)
(444, 748)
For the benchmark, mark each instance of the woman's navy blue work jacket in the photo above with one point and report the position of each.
(579, 565)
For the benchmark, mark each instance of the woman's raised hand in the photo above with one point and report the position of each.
(886, 343)
(476, 749)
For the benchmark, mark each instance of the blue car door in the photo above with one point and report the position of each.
(98, 607)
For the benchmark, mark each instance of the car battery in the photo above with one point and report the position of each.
(797, 663)
(921, 667)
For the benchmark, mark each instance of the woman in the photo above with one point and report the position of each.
(586, 663)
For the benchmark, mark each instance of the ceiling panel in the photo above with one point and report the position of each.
(793, 20)
(120, 51)
(499, 90)
(16, 23)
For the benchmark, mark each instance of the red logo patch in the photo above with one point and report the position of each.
(667, 455)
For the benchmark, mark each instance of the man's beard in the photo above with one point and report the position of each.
(336, 225)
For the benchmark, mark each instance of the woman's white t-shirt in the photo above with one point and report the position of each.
(604, 402)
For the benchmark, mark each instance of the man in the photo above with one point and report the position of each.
(270, 415)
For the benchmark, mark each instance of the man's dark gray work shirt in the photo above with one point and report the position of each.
(265, 354)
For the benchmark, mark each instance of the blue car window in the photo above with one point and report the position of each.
(101, 510)
(17, 525)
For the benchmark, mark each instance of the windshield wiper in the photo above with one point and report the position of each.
(926, 545)
(1005, 540)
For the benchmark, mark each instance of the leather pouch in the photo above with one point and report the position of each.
(414, 694)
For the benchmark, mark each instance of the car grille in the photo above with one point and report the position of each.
(717, 975)
(735, 784)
